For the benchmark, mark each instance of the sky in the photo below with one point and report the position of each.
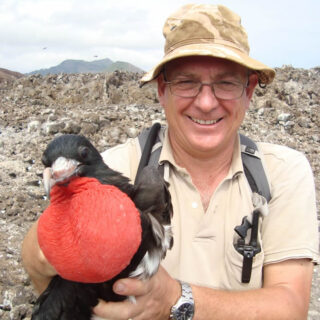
(37, 34)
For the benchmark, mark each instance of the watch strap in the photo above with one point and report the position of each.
(179, 310)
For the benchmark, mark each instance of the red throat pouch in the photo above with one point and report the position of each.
(90, 231)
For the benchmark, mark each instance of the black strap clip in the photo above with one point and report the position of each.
(248, 250)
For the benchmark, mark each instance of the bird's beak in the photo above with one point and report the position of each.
(61, 172)
(48, 182)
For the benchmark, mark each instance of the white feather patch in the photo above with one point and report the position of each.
(149, 264)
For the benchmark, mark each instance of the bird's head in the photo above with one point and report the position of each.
(65, 157)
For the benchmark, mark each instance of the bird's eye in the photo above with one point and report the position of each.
(83, 152)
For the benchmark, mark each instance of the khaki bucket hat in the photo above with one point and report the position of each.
(207, 30)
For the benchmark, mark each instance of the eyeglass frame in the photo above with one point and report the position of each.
(211, 84)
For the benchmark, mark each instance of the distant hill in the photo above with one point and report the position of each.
(123, 66)
(9, 75)
(81, 66)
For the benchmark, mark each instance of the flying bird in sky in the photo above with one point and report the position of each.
(98, 228)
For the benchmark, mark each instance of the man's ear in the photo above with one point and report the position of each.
(161, 89)
(253, 81)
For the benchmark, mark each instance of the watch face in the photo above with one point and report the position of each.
(186, 310)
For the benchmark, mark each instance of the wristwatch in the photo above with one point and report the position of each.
(184, 308)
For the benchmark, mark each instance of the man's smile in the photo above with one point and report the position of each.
(205, 122)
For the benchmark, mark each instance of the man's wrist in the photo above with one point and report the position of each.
(175, 294)
(183, 309)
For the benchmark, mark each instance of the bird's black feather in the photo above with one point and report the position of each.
(64, 299)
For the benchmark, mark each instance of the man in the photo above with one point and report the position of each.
(205, 83)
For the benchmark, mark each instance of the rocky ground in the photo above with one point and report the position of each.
(109, 108)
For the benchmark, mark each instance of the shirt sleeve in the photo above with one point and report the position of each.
(290, 231)
(124, 158)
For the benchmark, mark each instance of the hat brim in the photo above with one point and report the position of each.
(265, 74)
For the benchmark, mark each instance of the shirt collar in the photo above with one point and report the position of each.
(166, 152)
(167, 155)
(236, 163)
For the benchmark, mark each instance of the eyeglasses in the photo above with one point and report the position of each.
(223, 90)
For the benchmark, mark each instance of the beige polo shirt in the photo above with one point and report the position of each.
(203, 252)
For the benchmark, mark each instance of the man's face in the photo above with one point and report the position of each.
(204, 125)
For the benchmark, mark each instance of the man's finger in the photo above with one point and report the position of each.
(131, 287)
(115, 310)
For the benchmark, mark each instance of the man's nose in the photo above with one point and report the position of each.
(206, 100)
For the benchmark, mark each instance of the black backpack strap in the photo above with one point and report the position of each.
(147, 139)
(253, 168)
(258, 182)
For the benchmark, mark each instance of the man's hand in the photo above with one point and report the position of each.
(154, 297)
(34, 261)
(285, 295)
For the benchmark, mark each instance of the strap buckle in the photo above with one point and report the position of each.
(248, 250)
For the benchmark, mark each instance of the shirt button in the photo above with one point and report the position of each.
(194, 205)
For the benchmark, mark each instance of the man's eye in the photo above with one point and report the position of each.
(186, 83)
(227, 85)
